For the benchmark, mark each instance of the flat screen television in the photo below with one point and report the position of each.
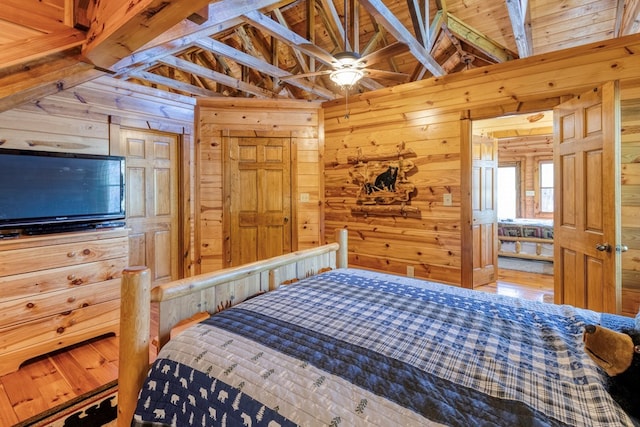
(43, 189)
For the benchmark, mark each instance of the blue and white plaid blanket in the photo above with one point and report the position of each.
(352, 347)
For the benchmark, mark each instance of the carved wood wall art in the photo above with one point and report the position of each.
(383, 185)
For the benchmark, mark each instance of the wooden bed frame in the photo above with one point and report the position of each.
(184, 298)
(539, 256)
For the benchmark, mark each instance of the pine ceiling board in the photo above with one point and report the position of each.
(490, 18)
(541, 8)
(52, 9)
(571, 37)
(540, 14)
(576, 28)
(575, 25)
(10, 32)
(566, 44)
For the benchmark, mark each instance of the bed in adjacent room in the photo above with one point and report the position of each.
(351, 347)
(526, 238)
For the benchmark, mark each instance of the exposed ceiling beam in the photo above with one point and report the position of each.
(223, 79)
(152, 54)
(418, 22)
(328, 6)
(220, 14)
(394, 26)
(46, 76)
(477, 39)
(299, 58)
(287, 36)
(520, 16)
(175, 84)
(627, 18)
(120, 27)
(262, 66)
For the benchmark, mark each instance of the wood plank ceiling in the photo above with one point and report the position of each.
(260, 48)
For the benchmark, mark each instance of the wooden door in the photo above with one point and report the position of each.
(152, 202)
(484, 170)
(586, 224)
(259, 171)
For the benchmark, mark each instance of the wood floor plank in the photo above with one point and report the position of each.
(25, 398)
(76, 375)
(95, 364)
(108, 347)
(7, 416)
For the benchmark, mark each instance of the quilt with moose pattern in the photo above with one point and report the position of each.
(360, 348)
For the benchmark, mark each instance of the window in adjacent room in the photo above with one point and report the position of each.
(508, 192)
(546, 187)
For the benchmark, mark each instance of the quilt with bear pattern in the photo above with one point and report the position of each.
(360, 348)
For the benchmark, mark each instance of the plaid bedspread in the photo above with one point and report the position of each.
(357, 348)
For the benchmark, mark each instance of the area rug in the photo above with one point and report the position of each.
(530, 266)
(94, 409)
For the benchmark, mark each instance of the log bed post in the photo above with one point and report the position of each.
(135, 318)
(342, 256)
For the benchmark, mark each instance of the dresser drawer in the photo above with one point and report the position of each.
(22, 342)
(33, 307)
(55, 279)
(19, 261)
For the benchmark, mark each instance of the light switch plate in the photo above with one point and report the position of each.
(447, 200)
(304, 197)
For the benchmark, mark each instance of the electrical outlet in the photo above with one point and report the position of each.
(304, 197)
(410, 271)
(447, 200)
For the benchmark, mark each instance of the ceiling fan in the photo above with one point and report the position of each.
(349, 67)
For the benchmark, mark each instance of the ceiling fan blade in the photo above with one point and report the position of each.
(385, 53)
(317, 51)
(303, 75)
(386, 75)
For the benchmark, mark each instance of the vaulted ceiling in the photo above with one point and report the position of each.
(280, 48)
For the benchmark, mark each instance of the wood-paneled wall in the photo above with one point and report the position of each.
(300, 120)
(427, 116)
(630, 202)
(87, 119)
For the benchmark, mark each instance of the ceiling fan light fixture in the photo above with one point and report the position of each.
(346, 77)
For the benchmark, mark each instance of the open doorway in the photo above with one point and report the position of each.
(523, 200)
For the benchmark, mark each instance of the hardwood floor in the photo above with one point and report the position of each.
(50, 380)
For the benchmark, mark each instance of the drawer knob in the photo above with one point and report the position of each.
(30, 305)
(71, 277)
(71, 254)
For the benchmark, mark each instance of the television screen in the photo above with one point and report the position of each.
(48, 188)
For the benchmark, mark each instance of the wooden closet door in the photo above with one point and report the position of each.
(152, 202)
(586, 223)
(259, 175)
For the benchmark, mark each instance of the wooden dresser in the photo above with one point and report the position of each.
(57, 290)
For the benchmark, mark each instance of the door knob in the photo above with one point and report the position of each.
(603, 247)
(622, 248)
